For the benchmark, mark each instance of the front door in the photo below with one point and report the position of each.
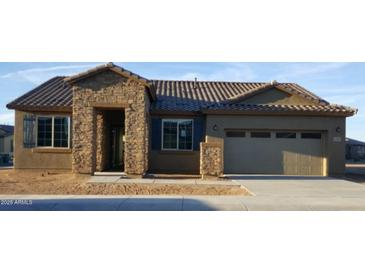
(117, 148)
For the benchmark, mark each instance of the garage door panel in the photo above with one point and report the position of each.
(303, 164)
(241, 157)
(273, 156)
(290, 160)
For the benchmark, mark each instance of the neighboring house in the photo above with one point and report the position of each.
(355, 150)
(6, 143)
(109, 118)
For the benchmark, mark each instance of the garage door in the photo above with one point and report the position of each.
(273, 152)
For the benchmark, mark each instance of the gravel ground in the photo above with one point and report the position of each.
(35, 182)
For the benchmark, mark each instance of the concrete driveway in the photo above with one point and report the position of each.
(269, 193)
(301, 193)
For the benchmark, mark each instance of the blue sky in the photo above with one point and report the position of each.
(340, 83)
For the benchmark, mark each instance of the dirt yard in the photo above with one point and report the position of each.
(35, 182)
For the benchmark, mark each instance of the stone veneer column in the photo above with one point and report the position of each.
(135, 154)
(211, 159)
(83, 129)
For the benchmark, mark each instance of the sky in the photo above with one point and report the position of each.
(338, 83)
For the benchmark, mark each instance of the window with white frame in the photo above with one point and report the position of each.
(177, 134)
(53, 131)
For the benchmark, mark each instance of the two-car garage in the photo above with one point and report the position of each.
(285, 152)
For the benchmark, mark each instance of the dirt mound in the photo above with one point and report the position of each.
(36, 182)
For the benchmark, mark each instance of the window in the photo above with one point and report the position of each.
(311, 135)
(60, 132)
(260, 134)
(185, 135)
(44, 137)
(286, 135)
(236, 134)
(170, 135)
(177, 134)
(53, 131)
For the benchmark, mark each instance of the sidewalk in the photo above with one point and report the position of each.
(270, 193)
(123, 203)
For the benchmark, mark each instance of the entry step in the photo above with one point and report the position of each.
(110, 173)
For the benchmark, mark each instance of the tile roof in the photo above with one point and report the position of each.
(193, 96)
(354, 142)
(9, 130)
(55, 94)
(178, 96)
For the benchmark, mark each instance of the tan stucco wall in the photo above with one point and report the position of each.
(274, 96)
(33, 158)
(335, 151)
(170, 161)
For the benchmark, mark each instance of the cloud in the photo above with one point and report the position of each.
(248, 72)
(345, 90)
(352, 95)
(235, 72)
(360, 116)
(354, 131)
(189, 76)
(7, 118)
(38, 75)
(344, 100)
(291, 71)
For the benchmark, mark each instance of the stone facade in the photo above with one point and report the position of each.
(211, 159)
(101, 148)
(109, 90)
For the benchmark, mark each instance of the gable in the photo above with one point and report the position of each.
(275, 96)
(111, 69)
(102, 80)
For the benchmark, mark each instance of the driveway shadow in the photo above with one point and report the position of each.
(275, 177)
(112, 204)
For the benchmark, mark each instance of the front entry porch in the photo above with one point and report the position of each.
(110, 124)
(110, 140)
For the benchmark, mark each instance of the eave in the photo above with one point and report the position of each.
(277, 113)
(54, 109)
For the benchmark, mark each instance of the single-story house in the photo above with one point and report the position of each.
(355, 150)
(109, 118)
(6, 143)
